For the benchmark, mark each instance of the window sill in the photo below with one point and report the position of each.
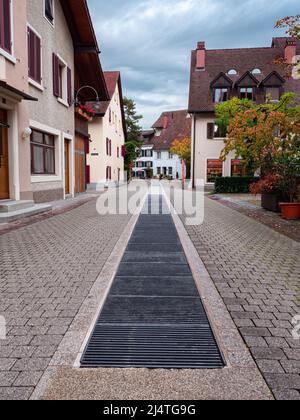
(8, 56)
(52, 24)
(36, 85)
(38, 179)
(63, 102)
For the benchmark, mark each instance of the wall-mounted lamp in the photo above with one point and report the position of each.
(26, 133)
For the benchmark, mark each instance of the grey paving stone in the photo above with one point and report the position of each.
(7, 378)
(287, 394)
(28, 379)
(15, 393)
(6, 364)
(270, 366)
(283, 381)
(291, 366)
(31, 364)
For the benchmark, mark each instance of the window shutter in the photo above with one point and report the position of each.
(123, 150)
(69, 75)
(5, 25)
(55, 75)
(34, 56)
(31, 58)
(38, 67)
(87, 147)
(210, 130)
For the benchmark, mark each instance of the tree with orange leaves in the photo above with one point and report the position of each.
(266, 137)
(183, 149)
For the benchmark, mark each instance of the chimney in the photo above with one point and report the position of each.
(165, 122)
(290, 51)
(200, 55)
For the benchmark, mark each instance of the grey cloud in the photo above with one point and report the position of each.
(150, 41)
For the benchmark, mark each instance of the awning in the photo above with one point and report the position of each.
(21, 95)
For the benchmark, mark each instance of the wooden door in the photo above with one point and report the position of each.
(80, 163)
(4, 169)
(67, 167)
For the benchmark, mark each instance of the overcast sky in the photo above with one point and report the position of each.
(150, 41)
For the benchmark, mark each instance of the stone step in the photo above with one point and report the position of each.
(34, 210)
(10, 206)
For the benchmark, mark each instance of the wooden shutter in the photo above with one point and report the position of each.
(34, 56)
(69, 76)
(55, 75)
(5, 25)
(210, 130)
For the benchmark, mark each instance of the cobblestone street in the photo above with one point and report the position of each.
(257, 273)
(47, 270)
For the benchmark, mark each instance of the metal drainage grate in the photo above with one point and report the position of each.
(153, 316)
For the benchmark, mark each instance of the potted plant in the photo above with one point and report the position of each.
(289, 167)
(270, 192)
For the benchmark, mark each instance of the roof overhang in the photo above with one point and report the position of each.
(16, 93)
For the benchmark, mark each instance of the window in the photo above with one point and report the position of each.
(273, 92)
(256, 71)
(170, 171)
(5, 26)
(221, 95)
(214, 170)
(158, 155)
(49, 10)
(148, 153)
(237, 167)
(232, 72)
(171, 155)
(215, 131)
(62, 80)
(149, 165)
(34, 56)
(42, 153)
(158, 171)
(247, 93)
(118, 152)
(108, 173)
(108, 147)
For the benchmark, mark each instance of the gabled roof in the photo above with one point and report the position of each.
(274, 79)
(247, 80)
(241, 59)
(221, 81)
(87, 61)
(178, 127)
(112, 80)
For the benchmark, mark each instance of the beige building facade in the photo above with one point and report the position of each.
(108, 134)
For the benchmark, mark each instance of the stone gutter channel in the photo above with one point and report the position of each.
(163, 330)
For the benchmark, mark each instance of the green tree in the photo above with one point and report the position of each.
(132, 120)
(133, 133)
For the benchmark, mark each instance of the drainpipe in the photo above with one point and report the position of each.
(194, 151)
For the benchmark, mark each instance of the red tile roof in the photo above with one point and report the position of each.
(178, 127)
(240, 59)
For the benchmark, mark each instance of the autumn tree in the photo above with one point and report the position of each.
(266, 137)
(183, 149)
(291, 24)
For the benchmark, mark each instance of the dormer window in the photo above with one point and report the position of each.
(273, 93)
(49, 10)
(232, 72)
(221, 95)
(247, 93)
(256, 71)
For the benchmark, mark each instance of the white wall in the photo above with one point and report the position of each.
(100, 129)
(165, 162)
(206, 149)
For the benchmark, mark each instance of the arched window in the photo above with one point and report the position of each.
(232, 72)
(256, 71)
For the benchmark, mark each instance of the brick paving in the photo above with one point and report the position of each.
(289, 228)
(257, 273)
(47, 270)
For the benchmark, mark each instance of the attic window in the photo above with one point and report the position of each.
(221, 95)
(232, 72)
(256, 71)
(49, 10)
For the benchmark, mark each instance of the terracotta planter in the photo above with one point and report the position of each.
(290, 211)
(270, 201)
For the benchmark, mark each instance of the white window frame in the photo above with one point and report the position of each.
(52, 24)
(206, 168)
(64, 100)
(31, 81)
(58, 136)
(10, 56)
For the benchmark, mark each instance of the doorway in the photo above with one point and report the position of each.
(67, 167)
(4, 167)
